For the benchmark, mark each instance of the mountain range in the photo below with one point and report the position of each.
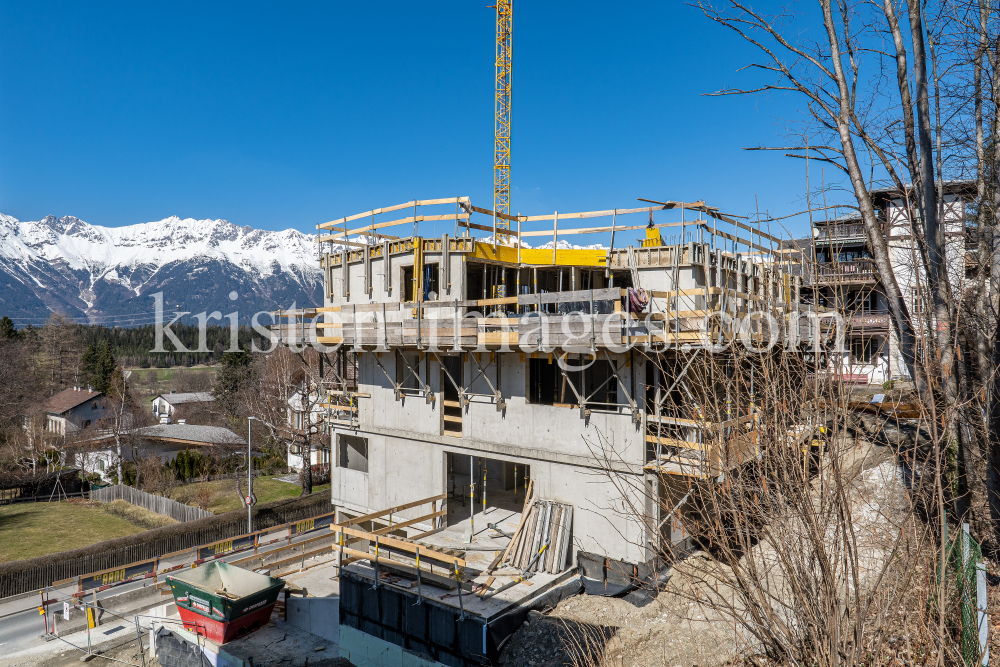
(107, 275)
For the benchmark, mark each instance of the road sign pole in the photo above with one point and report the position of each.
(249, 480)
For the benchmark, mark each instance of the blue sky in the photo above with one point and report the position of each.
(280, 116)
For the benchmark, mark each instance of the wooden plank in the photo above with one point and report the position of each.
(390, 306)
(486, 586)
(520, 524)
(301, 557)
(448, 583)
(376, 211)
(579, 296)
(497, 302)
(485, 228)
(570, 231)
(350, 244)
(398, 508)
(683, 444)
(279, 550)
(668, 338)
(393, 543)
(590, 214)
(339, 392)
(339, 236)
(490, 212)
(437, 304)
(499, 321)
(719, 216)
(608, 213)
(388, 561)
(404, 524)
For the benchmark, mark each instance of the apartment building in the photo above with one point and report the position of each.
(842, 277)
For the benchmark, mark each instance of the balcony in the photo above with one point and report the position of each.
(850, 231)
(852, 272)
(864, 321)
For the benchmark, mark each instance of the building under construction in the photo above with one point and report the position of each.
(516, 386)
(480, 364)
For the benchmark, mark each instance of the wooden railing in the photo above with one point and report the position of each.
(858, 270)
(846, 231)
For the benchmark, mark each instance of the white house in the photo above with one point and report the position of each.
(99, 454)
(304, 412)
(175, 405)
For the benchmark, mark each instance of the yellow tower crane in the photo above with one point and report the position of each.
(501, 122)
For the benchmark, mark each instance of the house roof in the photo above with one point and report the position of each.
(67, 399)
(194, 397)
(190, 433)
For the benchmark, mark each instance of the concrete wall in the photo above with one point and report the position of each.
(319, 616)
(407, 450)
(380, 293)
(364, 650)
(522, 428)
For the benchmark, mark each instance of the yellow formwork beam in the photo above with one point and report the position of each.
(541, 256)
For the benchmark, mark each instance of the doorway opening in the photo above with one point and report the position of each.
(483, 486)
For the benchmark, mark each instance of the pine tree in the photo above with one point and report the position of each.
(236, 374)
(7, 330)
(98, 365)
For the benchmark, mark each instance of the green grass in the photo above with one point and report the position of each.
(224, 498)
(28, 530)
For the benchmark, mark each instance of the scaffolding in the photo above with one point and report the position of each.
(688, 287)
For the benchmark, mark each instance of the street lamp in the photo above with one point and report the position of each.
(249, 479)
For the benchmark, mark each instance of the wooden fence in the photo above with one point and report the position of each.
(152, 502)
(31, 575)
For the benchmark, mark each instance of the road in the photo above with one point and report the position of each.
(21, 625)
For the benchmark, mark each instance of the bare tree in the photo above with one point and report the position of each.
(60, 350)
(286, 384)
(819, 553)
(120, 421)
(903, 130)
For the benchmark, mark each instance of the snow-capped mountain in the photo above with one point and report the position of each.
(107, 274)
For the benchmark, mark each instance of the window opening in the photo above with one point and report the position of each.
(352, 452)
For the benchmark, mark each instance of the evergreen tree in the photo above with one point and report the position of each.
(7, 330)
(236, 374)
(98, 364)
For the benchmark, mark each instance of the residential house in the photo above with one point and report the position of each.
(176, 406)
(843, 278)
(71, 410)
(305, 418)
(480, 364)
(99, 454)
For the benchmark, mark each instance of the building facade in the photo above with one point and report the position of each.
(482, 364)
(843, 278)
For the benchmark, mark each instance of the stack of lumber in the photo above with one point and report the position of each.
(547, 523)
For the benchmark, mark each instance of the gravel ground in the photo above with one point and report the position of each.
(610, 632)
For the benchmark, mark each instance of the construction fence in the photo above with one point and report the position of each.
(153, 503)
(966, 558)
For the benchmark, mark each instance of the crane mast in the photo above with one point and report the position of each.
(501, 150)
